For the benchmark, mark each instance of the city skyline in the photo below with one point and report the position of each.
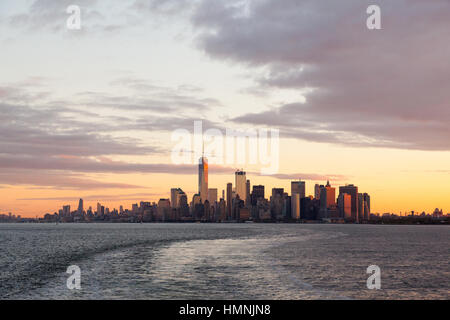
(286, 182)
(90, 113)
(346, 204)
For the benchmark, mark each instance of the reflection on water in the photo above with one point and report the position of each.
(217, 261)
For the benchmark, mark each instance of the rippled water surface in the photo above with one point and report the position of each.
(223, 261)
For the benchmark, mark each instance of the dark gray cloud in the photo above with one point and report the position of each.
(382, 88)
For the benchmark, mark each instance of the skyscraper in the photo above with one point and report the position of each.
(331, 195)
(363, 206)
(66, 211)
(247, 193)
(352, 190)
(317, 191)
(241, 187)
(297, 192)
(295, 206)
(229, 199)
(163, 209)
(212, 196)
(345, 205)
(276, 203)
(367, 206)
(327, 201)
(203, 178)
(298, 187)
(183, 206)
(277, 191)
(257, 193)
(80, 207)
(175, 195)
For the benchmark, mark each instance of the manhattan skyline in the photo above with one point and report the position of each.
(89, 113)
(239, 202)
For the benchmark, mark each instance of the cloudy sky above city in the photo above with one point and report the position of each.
(89, 113)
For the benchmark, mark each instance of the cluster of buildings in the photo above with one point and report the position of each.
(240, 202)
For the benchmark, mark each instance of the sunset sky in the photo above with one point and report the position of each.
(90, 113)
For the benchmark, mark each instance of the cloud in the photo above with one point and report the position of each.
(57, 180)
(49, 131)
(50, 15)
(50, 143)
(145, 96)
(100, 165)
(382, 88)
(42, 136)
(99, 197)
(35, 124)
(166, 7)
(73, 166)
(308, 176)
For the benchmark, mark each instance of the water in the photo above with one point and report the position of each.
(223, 261)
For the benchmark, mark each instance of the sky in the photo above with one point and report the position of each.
(91, 113)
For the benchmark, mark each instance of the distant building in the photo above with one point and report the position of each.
(80, 207)
(247, 193)
(257, 193)
(298, 187)
(345, 205)
(241, 184)
(286, 211)
(163, 211)
(238, 204)
(229, 200)
(222, 210)
(183, 206)
(309, 208)
(175, 195)
(327, 201)
(263, 211)
(203, 178)
(352, 190)
(297, 192)
(244, 214)
(277, 191)
(276, 203)
(295, 206)
(196, 199)
(366, 206)
(66, 211)
(317, 191)
(363, 206)
(212, 196)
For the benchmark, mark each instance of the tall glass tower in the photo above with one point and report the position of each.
(241, 184)
(203, 178)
